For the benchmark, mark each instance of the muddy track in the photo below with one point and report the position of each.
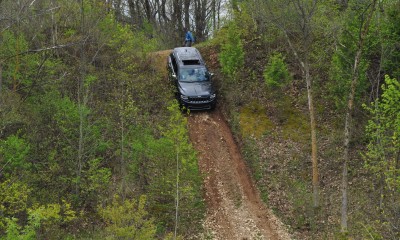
(234, 207)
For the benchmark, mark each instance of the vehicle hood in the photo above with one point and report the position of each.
(195, 88)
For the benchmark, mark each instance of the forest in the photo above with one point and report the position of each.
(90, 129)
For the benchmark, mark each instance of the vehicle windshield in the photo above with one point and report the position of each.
(193, 75)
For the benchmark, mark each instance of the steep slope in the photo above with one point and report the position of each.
(234, 207)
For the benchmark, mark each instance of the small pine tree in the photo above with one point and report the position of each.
(276, 73)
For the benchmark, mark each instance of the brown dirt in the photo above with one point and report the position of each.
(234, 207)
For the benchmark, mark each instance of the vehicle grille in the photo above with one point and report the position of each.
(199, 99)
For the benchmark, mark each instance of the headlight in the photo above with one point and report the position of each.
(212, 96)
(183, 97)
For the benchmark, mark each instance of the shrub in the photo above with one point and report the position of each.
(232, 54)
(276, 73)
(134, 225)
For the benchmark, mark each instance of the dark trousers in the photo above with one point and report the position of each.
(188, 43)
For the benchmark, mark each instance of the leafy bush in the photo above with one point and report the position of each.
(14, 151)
(13, 200)
(41, 219)
(276, 73)
(384, 132)
(232, 54)
(382, 156)
(162, 162)
(134, 225)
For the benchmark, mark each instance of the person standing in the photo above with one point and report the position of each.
(188, 39)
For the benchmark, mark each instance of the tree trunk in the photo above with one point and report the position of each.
(1, 95)
(123, 168)
(348, 121)
(187, 13)
(1, 80)
(147, 9)
(117, 9)
(200, 19)
(347, 137)
(314, 148)
(177, 194)
(213, 14)
(218, 14)
(179, 17)
(177, 20)
(163, 11)
(80, 102)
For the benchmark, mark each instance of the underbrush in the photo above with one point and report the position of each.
(273, 130)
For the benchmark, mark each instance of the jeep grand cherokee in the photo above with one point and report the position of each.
(192, 80)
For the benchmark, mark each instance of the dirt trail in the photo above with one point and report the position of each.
(234, 207)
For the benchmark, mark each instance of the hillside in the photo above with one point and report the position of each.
(234, 207)
(306, 126)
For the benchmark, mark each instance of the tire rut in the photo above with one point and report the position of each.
(234, 208)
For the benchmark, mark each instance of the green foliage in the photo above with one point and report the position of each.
(13, 155)
(300, 199)
(43, 218)
(127, 43)
(244, 21)
(342, 63)
(187, 175)
(96, 178)
(67, 100)
(18, 66)
(154, 162)
(276, 73)
(14, 231)
(390, 39)
(369, 232)
(56, 150)
(341, 74)
(127, 219)
(383, 131)
(51, 216)
(170, 236)
(382, 157)
(231, 56)
(252, 156)
(254, 121)
(296, 125)
(13, 200)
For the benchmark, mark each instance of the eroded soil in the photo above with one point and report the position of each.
(234, 208)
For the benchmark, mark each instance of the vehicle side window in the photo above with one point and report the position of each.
(174, 65)
(170, 62)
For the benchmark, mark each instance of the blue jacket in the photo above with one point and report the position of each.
(189, 36)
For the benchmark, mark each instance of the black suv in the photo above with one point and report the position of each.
(188, 72)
